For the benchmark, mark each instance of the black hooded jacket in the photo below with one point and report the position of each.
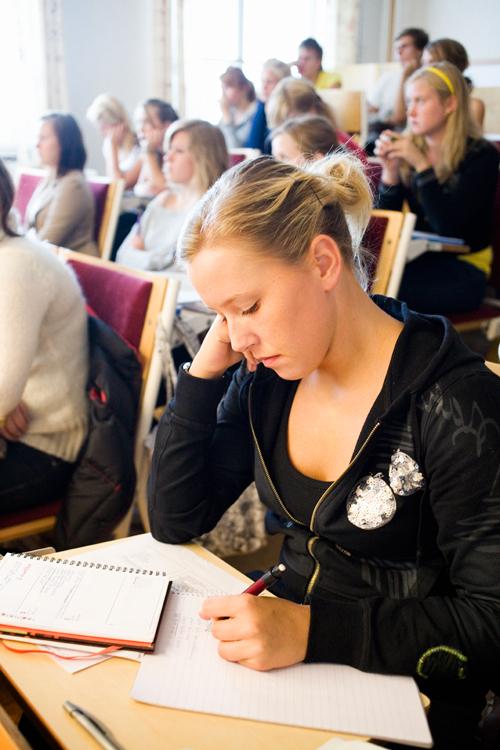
(416, 592)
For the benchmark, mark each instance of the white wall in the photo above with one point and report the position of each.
(107, 48)
(475, 24)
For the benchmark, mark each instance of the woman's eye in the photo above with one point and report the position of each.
(251, 309)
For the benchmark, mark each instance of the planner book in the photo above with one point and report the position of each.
(81, 602)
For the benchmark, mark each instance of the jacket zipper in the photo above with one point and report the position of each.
(312, 541)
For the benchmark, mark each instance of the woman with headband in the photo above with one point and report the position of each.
(448, 174)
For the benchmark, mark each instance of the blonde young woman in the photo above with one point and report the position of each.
(353, 416)
(454, 52)
(195, 156)
(273, 71)
(293, 97)
(302, 139)
(448, 174)
(120, 146)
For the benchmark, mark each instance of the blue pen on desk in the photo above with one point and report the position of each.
(94, 727)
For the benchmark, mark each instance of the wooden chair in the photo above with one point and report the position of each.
(350, 110)
(108, 198)
(131, 302)
(107, 195)
(10, 736)
(487, 317)
(236, 155)
(387, 239)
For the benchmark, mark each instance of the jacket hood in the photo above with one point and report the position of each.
(429, 348)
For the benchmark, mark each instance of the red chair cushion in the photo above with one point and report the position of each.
(372, 242)
(25, 189)
(100, 192)
(30, 514)
(485, 312)
(118, 299)
(236, 159)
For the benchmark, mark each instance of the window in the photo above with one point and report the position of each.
(246, 33)
(22, 89)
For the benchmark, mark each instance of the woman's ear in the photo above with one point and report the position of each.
(326, 259)
(451, 104)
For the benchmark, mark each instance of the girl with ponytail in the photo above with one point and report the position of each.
(332, 402)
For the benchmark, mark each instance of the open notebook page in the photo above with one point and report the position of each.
(187, 673)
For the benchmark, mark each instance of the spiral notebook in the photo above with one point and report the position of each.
(81, 602)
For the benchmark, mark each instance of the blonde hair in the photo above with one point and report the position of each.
(278, 209)
(207, 146)
(280, 68)
(459, 124)
(312, 134)
(296, 96)
(108, 110)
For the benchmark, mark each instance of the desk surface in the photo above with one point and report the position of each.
(104, 690)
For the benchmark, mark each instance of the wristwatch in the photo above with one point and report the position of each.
(185, 366)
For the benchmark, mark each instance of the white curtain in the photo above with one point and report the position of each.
(347, 27)
(56, 91)
(168, 52)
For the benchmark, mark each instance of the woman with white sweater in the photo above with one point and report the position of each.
(44, 356)
(195, 157)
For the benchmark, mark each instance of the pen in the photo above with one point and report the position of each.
(94, 727)
(266, 580)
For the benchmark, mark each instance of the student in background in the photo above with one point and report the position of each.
(305, 138)
(62, 207)
(386, 103)
(152, 118)
(354, 417)
(238, 106)
(310, 66)
(293, 97)
(273, 71)
(448, 175)
(455, 53)
(43, 350)
(120, 147)
(195, 156)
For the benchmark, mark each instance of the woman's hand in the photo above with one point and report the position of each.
(117, 134)
(260, 632)
(137, 242)
(393, 148)
(15, 423)
(215, 354)
(390, 164)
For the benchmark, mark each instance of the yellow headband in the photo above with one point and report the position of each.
(443, 77)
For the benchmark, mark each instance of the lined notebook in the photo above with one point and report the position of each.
(80, 601)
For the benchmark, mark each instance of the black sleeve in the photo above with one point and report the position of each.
(390, 197)
(202, 460)
(461, 440)
(450, 208)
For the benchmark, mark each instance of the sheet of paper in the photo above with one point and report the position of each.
(186, 673)
(187, 570)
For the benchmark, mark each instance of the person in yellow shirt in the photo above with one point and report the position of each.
(309, 64)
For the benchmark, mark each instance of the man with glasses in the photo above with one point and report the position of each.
(386, 104)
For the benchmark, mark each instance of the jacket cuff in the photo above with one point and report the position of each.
(423, 178)
(336, 633)
(197, 399)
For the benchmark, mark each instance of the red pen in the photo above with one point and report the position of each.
(266, 580)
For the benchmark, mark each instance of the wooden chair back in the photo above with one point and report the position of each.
(10, 736)
(131, 302)
(387, 239)
(350, 110)
(108, 197)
